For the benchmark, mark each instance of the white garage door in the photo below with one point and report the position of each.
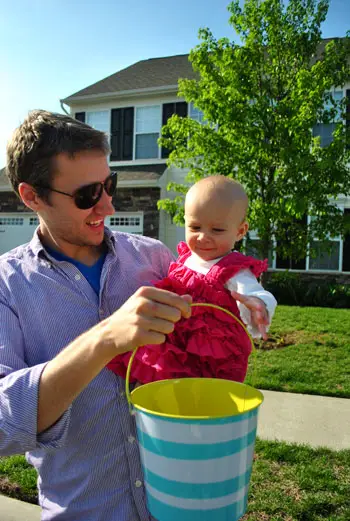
(130, 222)
(17, 229)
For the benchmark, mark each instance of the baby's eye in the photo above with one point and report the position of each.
(218, 230)
(195, 228)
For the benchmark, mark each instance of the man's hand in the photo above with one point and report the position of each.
(257, 310)
(145, 318)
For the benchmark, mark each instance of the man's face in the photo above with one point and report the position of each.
(63, 225)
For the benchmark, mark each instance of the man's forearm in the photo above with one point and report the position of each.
(67, 375)
(145, 318)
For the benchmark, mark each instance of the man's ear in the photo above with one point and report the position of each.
(29, 196)
(242, 230)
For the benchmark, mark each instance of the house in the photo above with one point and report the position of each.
(131, 106)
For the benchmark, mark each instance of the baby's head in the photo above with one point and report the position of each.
(215, 216)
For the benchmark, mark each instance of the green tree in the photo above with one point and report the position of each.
(261, 99)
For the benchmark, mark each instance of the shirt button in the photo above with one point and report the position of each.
(138, 483)
(122, 394)
(77, 276)
(131, 439)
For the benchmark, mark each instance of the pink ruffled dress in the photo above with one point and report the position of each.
(208, 344)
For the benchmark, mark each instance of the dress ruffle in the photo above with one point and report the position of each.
(208, 344)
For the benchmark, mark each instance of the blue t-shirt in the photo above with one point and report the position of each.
(91, 273)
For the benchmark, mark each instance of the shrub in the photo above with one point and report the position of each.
(294, 290)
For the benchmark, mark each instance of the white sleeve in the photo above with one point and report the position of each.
(246, 283)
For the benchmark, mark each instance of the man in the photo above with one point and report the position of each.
(70, 300)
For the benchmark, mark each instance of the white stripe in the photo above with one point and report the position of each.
(201, 471)
(198, 504)
(193, 433)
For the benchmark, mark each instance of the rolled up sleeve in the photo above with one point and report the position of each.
(19, 390)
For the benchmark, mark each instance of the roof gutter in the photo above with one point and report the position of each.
(118, 94)
(64, 108)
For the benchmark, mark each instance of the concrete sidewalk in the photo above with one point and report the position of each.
(14, 510)
(318, 421)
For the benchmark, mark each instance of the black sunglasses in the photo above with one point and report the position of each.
(87, 196)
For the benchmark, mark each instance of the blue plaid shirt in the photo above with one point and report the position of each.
(88, 461)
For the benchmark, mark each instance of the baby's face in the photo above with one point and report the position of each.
(213, 228)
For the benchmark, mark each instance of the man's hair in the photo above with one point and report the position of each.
(39, 139)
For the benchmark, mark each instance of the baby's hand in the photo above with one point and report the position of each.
(258, 311)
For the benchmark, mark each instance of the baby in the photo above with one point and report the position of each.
(210, 343)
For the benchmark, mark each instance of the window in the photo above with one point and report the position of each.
(325, 130)
(327, 253)
(80, 116)
(127, 222)
(99, 120)
(11, 221)
(196, 114)
(252, 249)
(33, 221)
(148, 123)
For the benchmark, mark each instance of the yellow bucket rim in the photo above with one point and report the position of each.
(193, 418)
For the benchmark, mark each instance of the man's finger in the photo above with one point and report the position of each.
(169, 298)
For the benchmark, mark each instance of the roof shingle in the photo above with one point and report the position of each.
(145, 74)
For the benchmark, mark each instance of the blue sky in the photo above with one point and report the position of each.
(50, 49)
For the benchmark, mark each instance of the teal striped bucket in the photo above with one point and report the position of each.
(196, 438)
(196, 466)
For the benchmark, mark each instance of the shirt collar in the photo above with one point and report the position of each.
(39, 250)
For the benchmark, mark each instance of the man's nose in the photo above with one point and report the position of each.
(104, 205)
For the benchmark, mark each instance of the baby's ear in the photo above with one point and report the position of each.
(242, 230)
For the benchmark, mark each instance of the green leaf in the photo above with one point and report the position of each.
(260, 101)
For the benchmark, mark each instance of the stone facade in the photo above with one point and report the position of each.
(140, 199)
(126, 200)
(310, 276)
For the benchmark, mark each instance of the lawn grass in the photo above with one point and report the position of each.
(289, 483)
(297, 483)
(18, 479)
(308, 352)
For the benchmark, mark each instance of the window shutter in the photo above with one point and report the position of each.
(169, 109)
(128, 133)
(80, 116)
(181, 109)
(346, 243)
(122, 133)
(347, 115)
(116, 153)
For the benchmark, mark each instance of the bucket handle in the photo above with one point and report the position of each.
(198, 304)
